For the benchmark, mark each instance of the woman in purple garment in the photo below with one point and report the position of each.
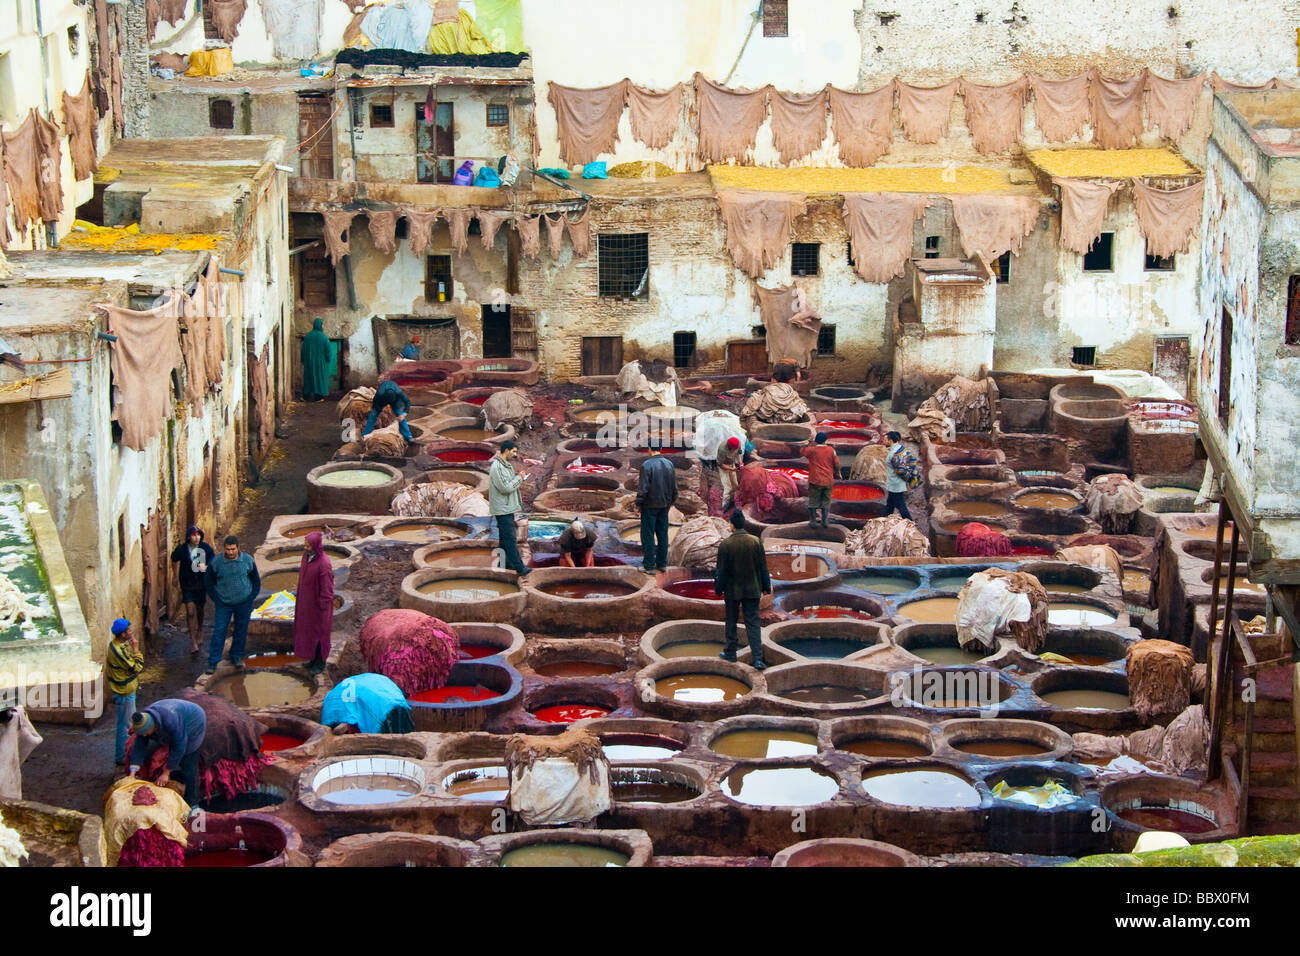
(313, 614)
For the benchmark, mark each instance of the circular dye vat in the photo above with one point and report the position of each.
(584, 468)
(794, 474)
(856, 493)
(639, 747)
(978, 482)
(366, 796)
(1074, 614)
(978, 509)
(1086, 699)
(848, 438)
(883, 583)
(1065, 588)
(788, 566)
(354, 478)
(884, 747)
(461, 558)
(1240, 584)
(950, 580)
(649, 785)
(664, 451)
(1167, 819)
(701, 688)
(474, 652)
(424, 533)
(262, 689)
(467, 434)
(837, 425)
(577, 669)
(272, 742)
(939, 789)
(567, 713)
(1136, 580)
(1046, 500)
(564, 854)
(826, 694)
(1001, 748)
(461, 456)
(633, 535)
(280, 581)
(479, 784)
(946, 656)
(700, 589)
(1175, 489)
(780, 786)
(254, 661)
(1210, 531)
(1031, 550)
(822, 648)
(467, 589)
(830, 612)
(691, 649)
(596, 415)
(454, 694)
(765, 743)
(937, 610)
(581, 590)
(240, 802)
(545, 530)
(1090, 660)
(233, 857)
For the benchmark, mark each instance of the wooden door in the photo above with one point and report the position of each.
(602, 354)
(316, 162)
(745, 357)
(435, 146)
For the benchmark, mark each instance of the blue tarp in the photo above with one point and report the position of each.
(364, 701)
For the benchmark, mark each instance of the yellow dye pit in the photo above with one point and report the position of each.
(86, 235)
(897, 179)
(1110, 163)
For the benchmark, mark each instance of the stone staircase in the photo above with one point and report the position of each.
(1274, 799)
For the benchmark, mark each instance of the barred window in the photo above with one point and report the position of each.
(683, 349)
(624, 265)
(498, 114)
(776, 18)
(804, 258)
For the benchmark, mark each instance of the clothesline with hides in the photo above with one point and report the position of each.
(726, 120)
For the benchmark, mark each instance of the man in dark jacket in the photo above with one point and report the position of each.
(178, 725)
(656, 493)
(742, 579)
(192, 556)
(233, 582)
(389, 395)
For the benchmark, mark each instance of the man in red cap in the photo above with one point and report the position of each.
(729, 470)
(412, 348)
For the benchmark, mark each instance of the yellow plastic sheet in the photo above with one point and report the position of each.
(210, 62)
(463, 36)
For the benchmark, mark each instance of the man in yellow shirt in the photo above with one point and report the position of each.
(122, 668)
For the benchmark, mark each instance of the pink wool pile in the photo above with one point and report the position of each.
(413, 650)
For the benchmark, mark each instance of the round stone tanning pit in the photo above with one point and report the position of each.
(654, 784)
(281, 732)
(567, 702)
(1239, 585)
(1047, 500)
(1084, 392)
(844, 851)
(483, 594)
(938, 609)
(242, 839)
(462, 453)
(882, 580)
(1061, 578)
(353, 783)
(764, 738)
(479, 783)
(423, 531)
(1002, 740)
(1082, 612)
(568, 503)
(455, 554)
(825, 688)
(937, 645)
(801, 537)
(825, 639)
(257, 689)
(1166, 804)
(932, 787)
(1086, 647)
(566, 848)
(641, 739)
(971, 509)
(352, 487)
(274, 786)
(672, 640)
(800, 569)
(882, 738)
(954, 577)
(845, 398)
(479, 641)
(795, 785)
(956, 688)
(1084, 694)
(831, 605)
(565, 600)
(577, 659)
(691, 688)
(345, 530)
(579, 482)
(396, 850)
(1054, 524)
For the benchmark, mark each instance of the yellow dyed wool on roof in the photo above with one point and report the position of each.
(87, 235)
(640, 169)
(901, 179)
(1110, 163)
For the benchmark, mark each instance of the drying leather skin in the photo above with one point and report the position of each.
(729, 119)
(1061, 106)
(383, 230)
(530, 239)
(337, 222)
(580, 233)
(759, 225)
(587, 120)
(1168, 217)
(863, 124)
(992, 225)
(1083, 210)
(995, 114)
(81, 123)
(654, 114)
(142, 359)
(1116, 110)
(798, 123)
(1171, 104)
(880, 227)
(925, 112)
(419, 228)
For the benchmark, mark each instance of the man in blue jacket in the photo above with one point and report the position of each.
(233, 582)
(389, 395)
(656, 493)
(178, 725)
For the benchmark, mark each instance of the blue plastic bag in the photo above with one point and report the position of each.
(595, 170)
(487, 178)
(465, 175)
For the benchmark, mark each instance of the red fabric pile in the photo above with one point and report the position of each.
(977, 540)
(148, 847)
(413, 650)
(761, 488)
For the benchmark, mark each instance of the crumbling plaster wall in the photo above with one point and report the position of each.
(252, 45)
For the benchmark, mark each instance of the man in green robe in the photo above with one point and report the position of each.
(315, 363)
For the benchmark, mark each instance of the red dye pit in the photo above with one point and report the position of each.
(476, 400)
(274, 742)
(794, 474)
(830, 611)
(848, 438)
(1033, 550)
(272, 660)
(454, 694)
(578, 590)
(833, 425)
(701, 590)
(856, 493)
(226, 858)
(589, 469)
(459, 456)
(472, 652)
(1166, 818)
(568, 713)
(664, 451)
